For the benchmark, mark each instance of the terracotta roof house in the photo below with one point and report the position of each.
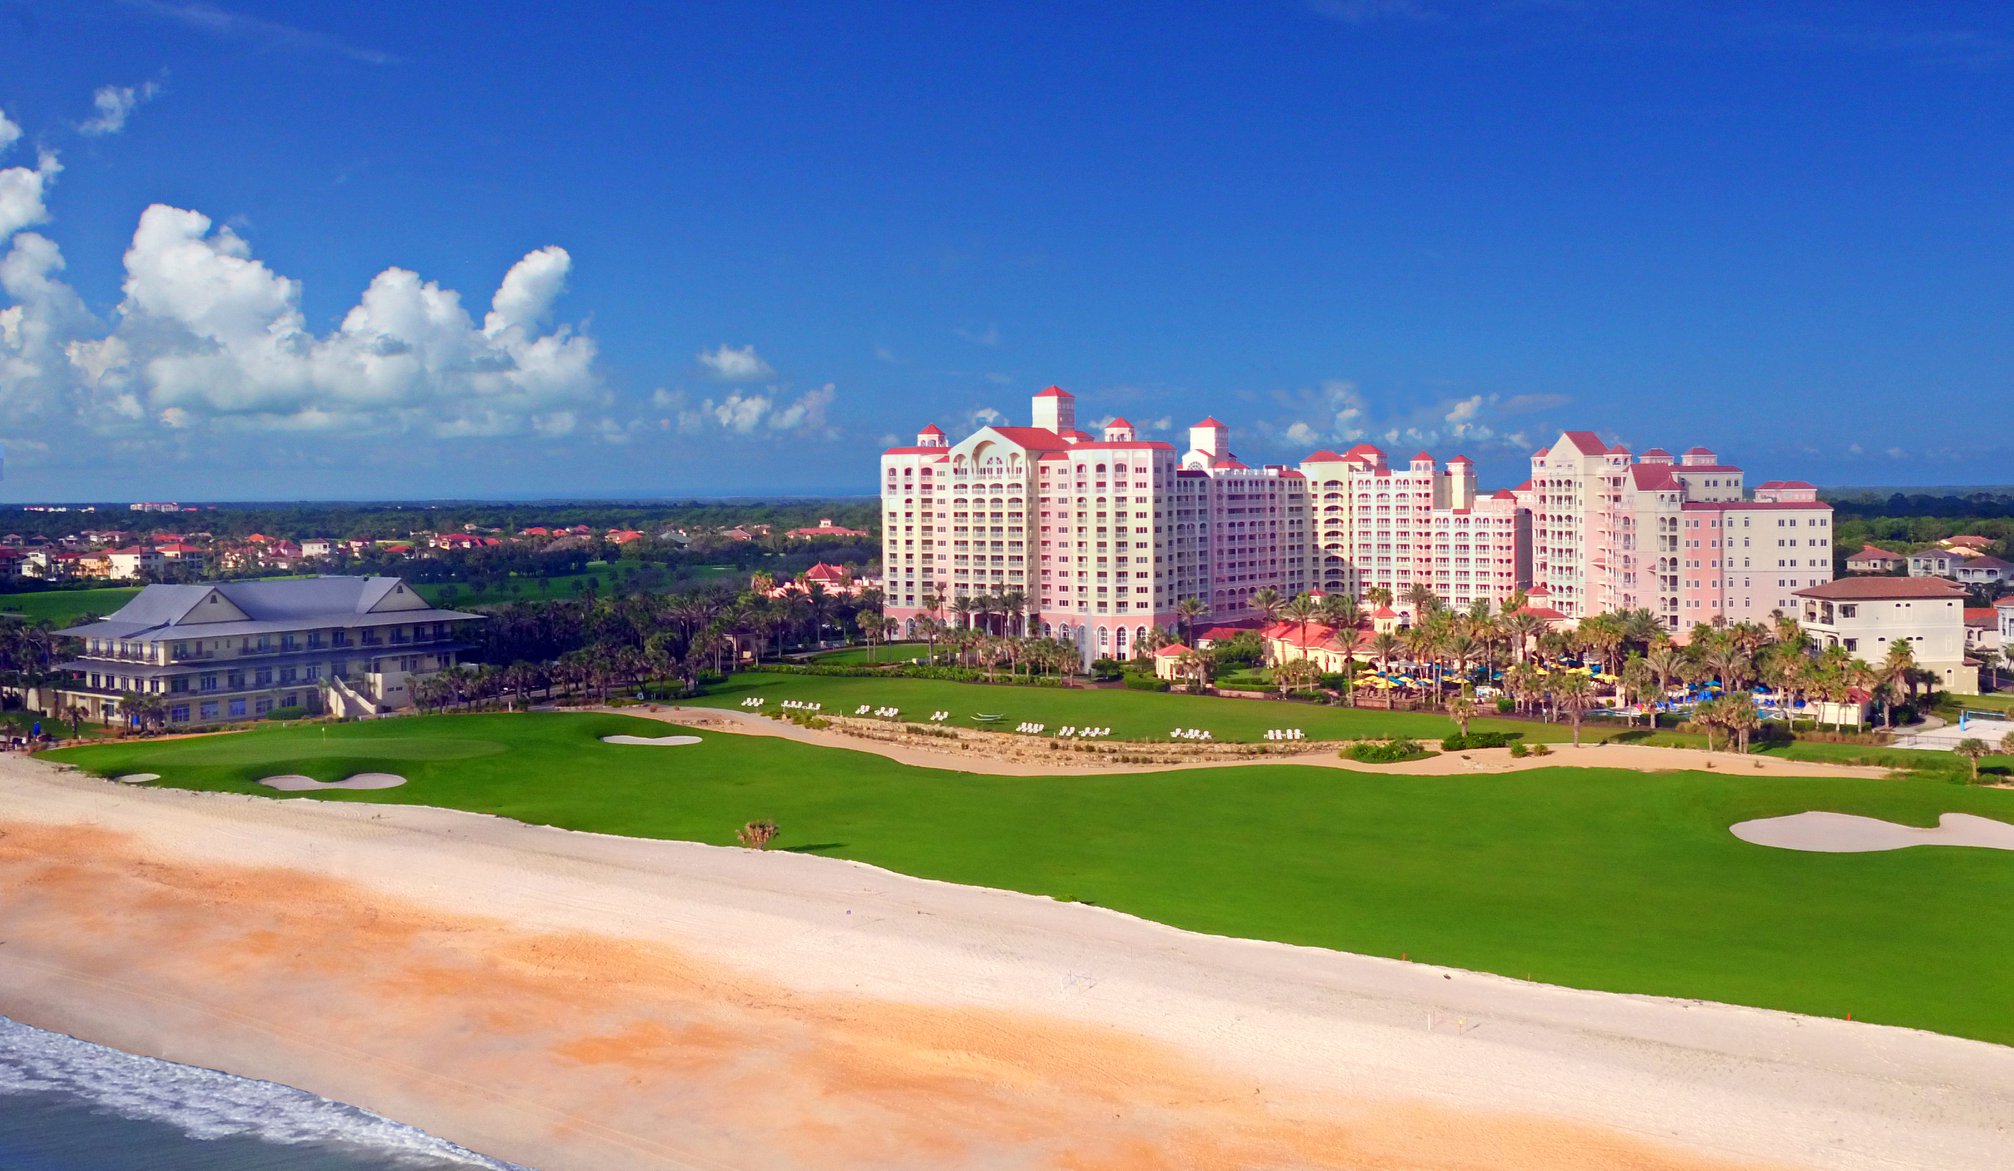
(1872, 559)
(824, 528)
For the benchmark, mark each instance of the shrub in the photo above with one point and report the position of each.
(757, 835)
(286, 713)
(1506, 705)
(1106, 670)
(1146, 683)
(1518, 750)
(1239, 652)
(1480, 740)
(1540, 750)
(1386, 751)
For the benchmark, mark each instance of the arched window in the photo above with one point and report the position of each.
(909, 629)
(1121, 645)
(1104, 638)
(1139, 635)
(1048, 631)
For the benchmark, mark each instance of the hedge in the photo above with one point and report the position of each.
(1480, 740)
(951, 674)
(1386, 751)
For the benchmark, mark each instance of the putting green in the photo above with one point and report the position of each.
(1596, 878)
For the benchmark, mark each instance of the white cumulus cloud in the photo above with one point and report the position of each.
(115, 104)
(727, 364)
(9, 132)
(206, 335)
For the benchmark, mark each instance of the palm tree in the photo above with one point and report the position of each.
(1894, 676)
(1378, 596)
(872, 627)
(1266, 603)
(1972, 750)
(1421, 600)
(1299, 675)
(1668, 663)
(1738, 716)
(1384, 645)
(1014, 607)
(1195, 665)
(1572, 692)
(1461, 709)
(1301, 610)
(1522, 626)
(1186, 612)
(964, 608)
(1638, 678)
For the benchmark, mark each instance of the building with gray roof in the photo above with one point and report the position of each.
(224, 651)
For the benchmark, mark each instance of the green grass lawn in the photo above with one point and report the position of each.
(1132, 715)
(893, 652)
(66, 606)
(1595, 878)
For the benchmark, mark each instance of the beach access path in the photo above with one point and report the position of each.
(571, 1000)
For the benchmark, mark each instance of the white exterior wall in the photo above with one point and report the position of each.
(1866, 628)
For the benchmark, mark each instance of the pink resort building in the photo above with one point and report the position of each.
(1103, 535)
(1674, 535)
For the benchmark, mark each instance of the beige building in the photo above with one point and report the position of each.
(1867, 615)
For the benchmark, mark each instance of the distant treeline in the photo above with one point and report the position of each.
(392, 521)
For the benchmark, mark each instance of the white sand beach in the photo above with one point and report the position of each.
(575, 1001)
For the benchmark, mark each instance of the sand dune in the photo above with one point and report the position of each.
(579, 1001)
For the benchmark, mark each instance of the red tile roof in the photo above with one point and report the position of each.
(1323, 456)
(1587, 442)
(1211, 422)
(1867, 551)
(1055, 392)
(1033, 438)
(1653, 478)
(1980, 616)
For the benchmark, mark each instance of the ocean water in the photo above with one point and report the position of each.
(69, 1105)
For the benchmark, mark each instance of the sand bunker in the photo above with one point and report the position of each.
(1846, 833)
(137, 778)
(295, 783)
(659, 741)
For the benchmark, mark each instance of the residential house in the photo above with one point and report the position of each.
(824, 528)
(1872, 559)
(1983, 570)
(1982, 628)
(1867, 615)
(1935, 563)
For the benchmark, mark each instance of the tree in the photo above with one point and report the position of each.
(75, 714)
(1299, 675)
(1573, 693)
(1972, 749)
(1739, 717)
(757, 835)
(1301, 610)
(1640, 679)
(1461, 709)
(1266, 603)
(1186, 612)
(1894, 675)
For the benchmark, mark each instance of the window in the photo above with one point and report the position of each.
(209, 709)
(237, 707)
(178, 715)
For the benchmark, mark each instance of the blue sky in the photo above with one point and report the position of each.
(255, 250)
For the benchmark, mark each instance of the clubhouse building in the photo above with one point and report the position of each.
(226, 651)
